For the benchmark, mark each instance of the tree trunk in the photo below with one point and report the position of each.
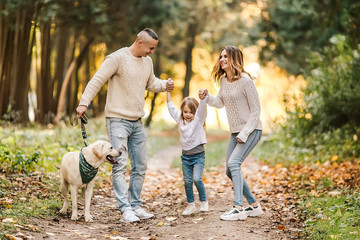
(62, 43)
(75, 62)
(44, 90)
(20, 62)
(191, 34)
(6, 37)
(5, 70)
(157, 71)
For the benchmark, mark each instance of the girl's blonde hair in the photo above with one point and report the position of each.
(235, 61)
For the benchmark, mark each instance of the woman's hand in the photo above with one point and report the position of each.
(239, 140)
(202, 93)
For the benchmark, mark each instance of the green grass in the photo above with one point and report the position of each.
(32, 200)
(332, 217)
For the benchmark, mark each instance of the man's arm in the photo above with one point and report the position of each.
(107, 69)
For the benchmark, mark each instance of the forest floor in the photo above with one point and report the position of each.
(163, 195)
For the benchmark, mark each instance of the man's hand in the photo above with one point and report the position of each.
(170, 85)
(202, 93)
(81, 109)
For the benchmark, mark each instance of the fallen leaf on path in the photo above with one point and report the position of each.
(170, 219)
(11, 237)
(281, 227)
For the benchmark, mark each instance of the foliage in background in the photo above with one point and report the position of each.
(325, 121)
(319, 143)
(290, 30)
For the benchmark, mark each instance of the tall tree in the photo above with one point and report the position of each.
(17, 42)
(291, 29)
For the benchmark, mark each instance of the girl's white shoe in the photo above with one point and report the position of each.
(191, 208)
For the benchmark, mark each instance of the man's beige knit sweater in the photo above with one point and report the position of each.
(128, 77)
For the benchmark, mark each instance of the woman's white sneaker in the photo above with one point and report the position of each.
(191, 208)
(254, 211)
(234, 214)
(204, 206)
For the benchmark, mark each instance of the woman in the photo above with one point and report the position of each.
(239, 96)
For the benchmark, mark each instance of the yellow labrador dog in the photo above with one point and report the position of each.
(78, 169)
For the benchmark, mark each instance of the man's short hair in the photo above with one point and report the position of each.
(151, 33)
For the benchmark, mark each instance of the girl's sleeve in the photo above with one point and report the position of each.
(201, 111)
(174, 112)
(255, 109)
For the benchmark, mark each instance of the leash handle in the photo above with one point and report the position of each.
(84, 120)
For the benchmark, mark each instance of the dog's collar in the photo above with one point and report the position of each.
(87, 171)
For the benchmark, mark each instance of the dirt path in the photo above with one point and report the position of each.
(163, 195)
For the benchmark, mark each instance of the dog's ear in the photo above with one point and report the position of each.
(97, 150)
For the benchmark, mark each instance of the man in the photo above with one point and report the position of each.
(129, 71)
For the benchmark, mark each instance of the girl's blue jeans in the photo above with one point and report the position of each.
(236, 154)
(193, 166)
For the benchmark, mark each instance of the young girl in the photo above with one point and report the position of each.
(238, 95)
(190, 122)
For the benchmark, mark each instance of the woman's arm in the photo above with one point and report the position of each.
(255, 109)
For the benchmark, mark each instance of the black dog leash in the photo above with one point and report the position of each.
(84, 120)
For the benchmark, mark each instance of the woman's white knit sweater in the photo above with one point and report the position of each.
(241, 101)
(128, 77)
(192, 134)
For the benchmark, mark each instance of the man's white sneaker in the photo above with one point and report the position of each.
(204, 206)
(254, 211)
(190, 209)
(129, 216)
(234, 214)
(142, 214)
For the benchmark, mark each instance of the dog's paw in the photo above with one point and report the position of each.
(74, 217)
(88, 218)
(63, 211)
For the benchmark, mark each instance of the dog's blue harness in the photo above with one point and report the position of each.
(87, 171)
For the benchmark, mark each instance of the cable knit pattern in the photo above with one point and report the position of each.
(192, 133)
(128, 77)
(241, 101)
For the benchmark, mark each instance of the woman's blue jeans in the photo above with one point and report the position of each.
(130, 134)
(193, 166)
(236, 154)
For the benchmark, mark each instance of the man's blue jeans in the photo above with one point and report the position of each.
(130, 134)
(193, 166)
(236, 154)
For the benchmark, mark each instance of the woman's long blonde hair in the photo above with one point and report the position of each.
(236, 62)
